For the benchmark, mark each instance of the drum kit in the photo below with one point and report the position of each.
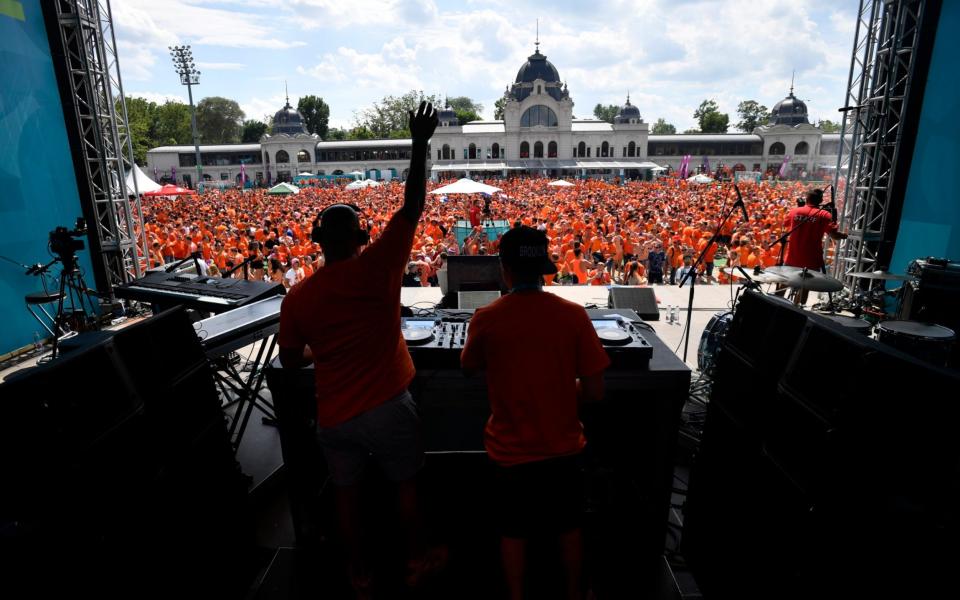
(864, 311)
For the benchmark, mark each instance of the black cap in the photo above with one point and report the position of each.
(525, 248)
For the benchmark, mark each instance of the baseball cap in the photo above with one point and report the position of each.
(526, 248)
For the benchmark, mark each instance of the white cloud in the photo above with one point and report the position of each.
(220, 66)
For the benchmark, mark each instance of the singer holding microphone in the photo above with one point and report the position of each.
(805, 245)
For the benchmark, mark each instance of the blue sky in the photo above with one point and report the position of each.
(669, 54)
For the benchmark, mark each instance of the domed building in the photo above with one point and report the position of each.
(538, 134)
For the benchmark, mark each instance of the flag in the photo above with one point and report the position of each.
(156, 175)
(706, 164)
(173, 173)
(783, 167)
(268, 177)
(243, 176)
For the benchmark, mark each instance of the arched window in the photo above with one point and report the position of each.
(496, 150)
(539, 115)
(282, 156)
(473, 152)
(632, 149)
(524, 150)
(303, 156)
(802, 148)
(581, 149)
(604, 149)
(778, 149)
(552, 150)
(338, 172)
(447, 154)
(588, 152)
(538, 150)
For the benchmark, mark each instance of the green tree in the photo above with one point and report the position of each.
(141, 126)
(316, 114)
(661, 127)
(606, 113)
(363, 133)
(252, 131)
(710, 118)
(828, 126)
(498, 108)
(389, 116)
(173, 124)
(465, 116)
(218, 120)
(337, 133)
(752, 115)
(463, 103)
(691, 131)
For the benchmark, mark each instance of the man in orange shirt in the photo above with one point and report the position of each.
(534, 435)
(346, 320)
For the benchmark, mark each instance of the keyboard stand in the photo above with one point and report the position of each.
(246, 390)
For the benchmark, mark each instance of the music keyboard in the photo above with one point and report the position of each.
(210, 294)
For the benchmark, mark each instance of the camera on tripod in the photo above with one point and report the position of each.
(63, 242)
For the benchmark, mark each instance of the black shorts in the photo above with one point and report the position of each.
(540, 498)
(724, 239)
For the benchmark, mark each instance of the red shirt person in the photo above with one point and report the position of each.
(535, 377)
(809, 224)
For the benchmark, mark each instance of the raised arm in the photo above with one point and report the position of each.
(423, 122)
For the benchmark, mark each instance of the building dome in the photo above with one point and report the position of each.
(789, 111)
(287, 120)
(628, 113)
(537, 67)
(448, 117)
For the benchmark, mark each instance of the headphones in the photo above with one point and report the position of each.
(363, 236)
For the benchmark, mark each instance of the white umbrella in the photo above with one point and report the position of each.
(144, 183)
(356, 185)
(700, 178)
(306, 174)
(659, 169)
(560, 183)
(466, 186)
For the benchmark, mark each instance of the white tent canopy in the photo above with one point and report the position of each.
(466, 186)
(560, 183)
(144, 183)
(359, 185)
(700, 178)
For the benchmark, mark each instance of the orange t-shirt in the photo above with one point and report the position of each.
(349, 314)
(531, 373)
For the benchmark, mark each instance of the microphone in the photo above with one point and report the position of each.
(739, 202)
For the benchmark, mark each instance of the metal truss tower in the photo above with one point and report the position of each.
(876, 106)
(93, 73)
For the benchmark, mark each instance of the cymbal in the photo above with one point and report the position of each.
(782, 270)
(882, 275)
(813, 281)
(762, 277)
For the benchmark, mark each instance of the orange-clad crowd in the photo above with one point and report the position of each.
(599, 232)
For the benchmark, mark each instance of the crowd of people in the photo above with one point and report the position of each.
(600, 233)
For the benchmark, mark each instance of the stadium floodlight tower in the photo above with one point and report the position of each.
(189, 76)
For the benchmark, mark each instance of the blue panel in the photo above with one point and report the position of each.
(38, 189)
(930, 225)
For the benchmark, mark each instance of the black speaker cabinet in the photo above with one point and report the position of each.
(643, 300)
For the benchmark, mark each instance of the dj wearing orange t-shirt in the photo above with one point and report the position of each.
(536, 376)
(345, 319)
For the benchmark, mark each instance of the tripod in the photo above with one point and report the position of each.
(72, 286)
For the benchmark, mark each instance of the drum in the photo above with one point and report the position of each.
(858, 325)
(925, 341)
(711, 340)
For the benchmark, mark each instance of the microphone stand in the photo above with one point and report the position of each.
(693, 270)
(245, 265)
(196, 262)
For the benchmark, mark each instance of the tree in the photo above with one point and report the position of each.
(465, 104)
(337, 133)
(173, 124)
(606, 113)
(316, 114)
(752, 115)
(661, 127)
(218, 120)
(692, 131)
(828, 126)
(363, 133)
(141, 125)
(252, 131)
(710, 118)
(498, 108)
(390, 115)
(465, 116)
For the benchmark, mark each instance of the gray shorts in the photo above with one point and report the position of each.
(389, 432)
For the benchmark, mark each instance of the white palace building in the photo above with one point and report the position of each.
(539, 135)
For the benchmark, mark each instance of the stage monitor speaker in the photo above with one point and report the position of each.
(643, 300)
(475, 299)
(764, 331)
